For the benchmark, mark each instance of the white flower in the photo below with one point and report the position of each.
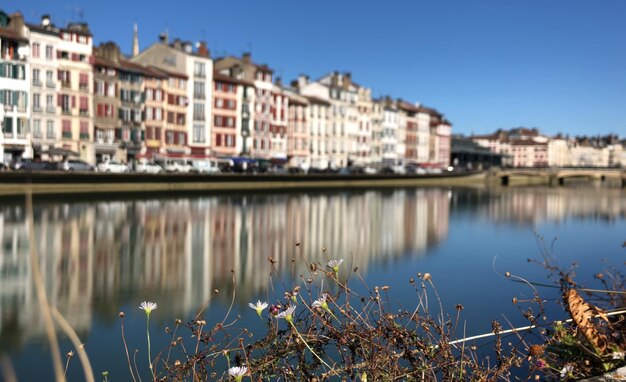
(321, 302)
(617, 355)
(566, 370)
(334, 264)
(287, 314)
(148, 306)
(259, 306)
(238, 372)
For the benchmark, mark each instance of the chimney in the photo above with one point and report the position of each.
(247, 58)
(346, 80)
(164, 38)
(278, 82)
(187, 47)
(303, 80)
(334, 79)
(177, 44)
(45, 20)
(203, 50)
(135, 41)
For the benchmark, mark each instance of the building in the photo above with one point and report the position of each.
(229, 109)
(45, 126)
(262, 123)
(15, 88)
(298, 130)
(75, 96)
(343, 132)
(189, 95)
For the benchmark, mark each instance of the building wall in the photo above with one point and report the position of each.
(45, 125)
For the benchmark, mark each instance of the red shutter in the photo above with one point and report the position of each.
(73, 102)
(59, 100)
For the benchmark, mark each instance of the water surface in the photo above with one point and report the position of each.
(100, 257)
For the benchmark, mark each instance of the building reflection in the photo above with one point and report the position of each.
(98, 256)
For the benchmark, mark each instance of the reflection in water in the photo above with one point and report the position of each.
(97, 256)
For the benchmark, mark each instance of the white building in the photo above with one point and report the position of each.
(45, 126)
(14, 87)
(197, 66)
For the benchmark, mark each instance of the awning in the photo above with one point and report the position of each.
(60, 152)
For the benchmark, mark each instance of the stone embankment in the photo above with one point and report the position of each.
(18, 183)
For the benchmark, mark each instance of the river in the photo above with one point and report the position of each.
(100, 257)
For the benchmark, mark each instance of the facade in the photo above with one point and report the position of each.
(75, 97)
(227, 115)
(119, 105)
(15, 89)
(298, 130)
(261, 124)
(188, 95)
(318, 117)
(61, 97)
(45, 126)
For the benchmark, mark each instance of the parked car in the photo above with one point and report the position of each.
(205, 166)
(178, 166)
(148, 167)
(76, 165)
(33, 165)
(113, 166)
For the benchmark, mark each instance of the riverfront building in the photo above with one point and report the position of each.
(62, 97)
(523, 147)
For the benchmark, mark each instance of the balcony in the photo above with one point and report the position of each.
(51, 84)
(51, 109)
(83, 87)
(37, 83)
(37, 109)
(66, 84)
(66, 135)
(66, 111)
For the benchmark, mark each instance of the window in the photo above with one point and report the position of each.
(50, 108)
(67, 129)
(83, 106)
(66, 103)
(198, 133)
(98, 87)
(83, 81)
(199, 69)
(49, 52)
(219, 103)
(36, 128)
(110, 89)
(158, 114)
(84, 130)
(198, 90)
(230, 140)
(50, 130)
(64, 76)
(50, 79)
(36, 102)
(198, 111)
(36, 77)
(169, 137)
(149, 94)
(158, 95)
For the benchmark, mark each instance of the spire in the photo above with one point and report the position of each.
(135, 41)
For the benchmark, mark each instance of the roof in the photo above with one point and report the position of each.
(11, 34)
(527, 142)
(317, 100)
(49, 30)
(165, 73)
(217, 76)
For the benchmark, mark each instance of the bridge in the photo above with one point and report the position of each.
(557, 175)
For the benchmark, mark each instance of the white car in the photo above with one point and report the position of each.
(113, 166)
(205, 166)
(148, 167)
(176, 166)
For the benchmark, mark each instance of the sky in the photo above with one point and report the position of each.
(558, 65)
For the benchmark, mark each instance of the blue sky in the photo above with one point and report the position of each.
(557, 65)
